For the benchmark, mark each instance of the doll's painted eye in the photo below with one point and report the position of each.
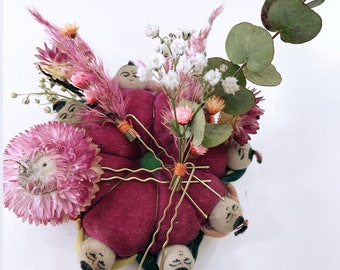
(63, 116)
(228, 217)
(187, 261)
(125, 74)
(241, 153)
(235, 207)
(91, 256)
(101, 265)
(72, 108)
(175, 263)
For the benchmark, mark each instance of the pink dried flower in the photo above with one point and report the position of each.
(183, 114)
(55, 62)
(191, 88)
(80, 79)
(197, 150)
(197, 44)
(89, 98)
(50, 173)
(69, 30)
(244, 124)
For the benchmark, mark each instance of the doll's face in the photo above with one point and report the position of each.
(95, 255)
(128, 79)
(224, 215)
(177, 257)
(69, 112)
(238, 157)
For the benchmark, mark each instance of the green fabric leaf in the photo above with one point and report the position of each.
(215, 134)
(296, 21)
(239, 103)
(266, 77)
(150, 162)
(251, 44)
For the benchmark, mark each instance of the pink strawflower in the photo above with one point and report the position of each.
(197, 150)
(89, 98)
(55, 62)
(244, 124)
(80, 79)
(50, 173)
(183, 114)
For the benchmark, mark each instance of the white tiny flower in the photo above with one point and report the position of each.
(230, 85)
(178, 46)
(184, 64)
(187, 33)
(170, 80)
(163, 49)
(213, 76)
(198, 62)
(223, 68)
(144, 74)
(151, 30)
(155, 61)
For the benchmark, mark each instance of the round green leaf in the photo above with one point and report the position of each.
(296, 21)
(247, 43)
(264, 13)
(215, 134)
(266, 77)
(239, 103)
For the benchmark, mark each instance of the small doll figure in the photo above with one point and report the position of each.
(68, 112)
(226, 216)
(238, 159)
(95, 255)
(128, 79)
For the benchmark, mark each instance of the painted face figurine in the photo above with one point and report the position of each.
(176, 257)
(238, 159)
(67, 111)
(128, 79)
(95, 255)
(226, 216)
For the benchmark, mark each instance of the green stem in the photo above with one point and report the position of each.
(239, 69)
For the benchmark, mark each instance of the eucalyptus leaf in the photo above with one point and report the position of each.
(215, 134)
(315, 3)
(197, 125)
(266, 77)
(296, 21)
(250, 44)
(239, 103)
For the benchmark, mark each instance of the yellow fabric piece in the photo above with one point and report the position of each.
(80, 236)
(121, 262)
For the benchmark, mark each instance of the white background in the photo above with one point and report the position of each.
(291, 200)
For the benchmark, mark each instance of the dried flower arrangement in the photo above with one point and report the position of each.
(173, 138)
